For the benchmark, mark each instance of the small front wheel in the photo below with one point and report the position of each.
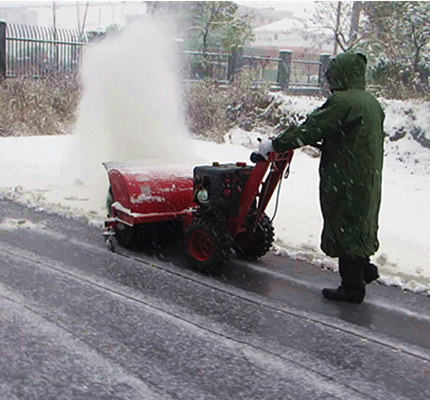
(111, 243)
(125, 234)
(208, 244)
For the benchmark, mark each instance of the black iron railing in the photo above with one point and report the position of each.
(38, 51)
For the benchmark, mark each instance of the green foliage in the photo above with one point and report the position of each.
(207, 24)
(236, 34)
(211, 18)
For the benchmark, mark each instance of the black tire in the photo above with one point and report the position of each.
(125, 234)
(109, 201)
(208, 244)
(158, 235)
(258, 244)
(112, 244)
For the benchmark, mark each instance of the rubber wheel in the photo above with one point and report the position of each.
(109, 201)
(259, 243)
(124, 234)
(112, 244)
(208, 245)
(158, 235)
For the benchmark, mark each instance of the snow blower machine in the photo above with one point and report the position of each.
(220, 208)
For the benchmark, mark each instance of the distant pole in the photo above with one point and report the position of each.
(2, 50)
(284, 68)
(85, 17)
(77, 13)
(325, 61)
(100, 18)
(54, 22)
(54, 15)
(235, 62)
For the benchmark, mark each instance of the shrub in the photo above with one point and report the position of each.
(211, 110)
(44, 106)
(399, 79)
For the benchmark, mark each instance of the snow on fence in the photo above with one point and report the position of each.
(39, 51)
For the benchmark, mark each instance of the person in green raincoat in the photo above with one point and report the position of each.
(348, 128)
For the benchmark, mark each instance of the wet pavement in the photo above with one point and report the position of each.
(79, 322)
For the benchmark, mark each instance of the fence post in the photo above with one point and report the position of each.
(325, 61)
(2, 50)
(235, 61)
(180, 57)
(284, 68)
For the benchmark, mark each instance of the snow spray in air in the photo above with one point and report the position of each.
(130, 107)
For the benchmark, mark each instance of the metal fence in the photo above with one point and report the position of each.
(265, 69)
(199, 65)
(39, 51)
(282, 73)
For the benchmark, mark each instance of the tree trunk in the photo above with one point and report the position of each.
(336, 35)
(206, 60)
(355, 18)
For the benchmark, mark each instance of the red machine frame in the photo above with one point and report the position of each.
(171, 198)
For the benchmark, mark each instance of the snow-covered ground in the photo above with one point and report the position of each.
(128, 115)
(36, 173)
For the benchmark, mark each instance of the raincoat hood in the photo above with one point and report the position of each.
(347, 72)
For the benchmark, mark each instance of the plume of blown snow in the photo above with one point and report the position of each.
(130, 108)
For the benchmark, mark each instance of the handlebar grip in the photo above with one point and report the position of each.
(256, 157)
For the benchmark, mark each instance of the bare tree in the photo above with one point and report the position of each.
(342, 18)
(85, 17)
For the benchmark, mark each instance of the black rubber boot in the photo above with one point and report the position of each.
(352, 288)
(344, 294)
(370, 273)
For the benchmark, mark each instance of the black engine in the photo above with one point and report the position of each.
(218, 188)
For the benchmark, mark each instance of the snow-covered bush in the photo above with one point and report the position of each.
(44, 106)
(399, 79)
(211, 110)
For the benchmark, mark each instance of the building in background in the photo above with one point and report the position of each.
(80, 15)
(290, 33)
(262, 16)
(18, 14)
(274, 29)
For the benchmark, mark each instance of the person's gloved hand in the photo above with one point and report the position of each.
(265, 147)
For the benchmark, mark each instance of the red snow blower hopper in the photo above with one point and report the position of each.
(220, 208)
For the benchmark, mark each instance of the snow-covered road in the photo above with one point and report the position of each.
(80, 322)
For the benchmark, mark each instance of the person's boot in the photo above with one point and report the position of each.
(370, 273)
(344, 294)
(352, 288)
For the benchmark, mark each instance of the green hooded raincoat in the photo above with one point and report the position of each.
(350, 127)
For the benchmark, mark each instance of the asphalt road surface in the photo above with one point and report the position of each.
(79, 322)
